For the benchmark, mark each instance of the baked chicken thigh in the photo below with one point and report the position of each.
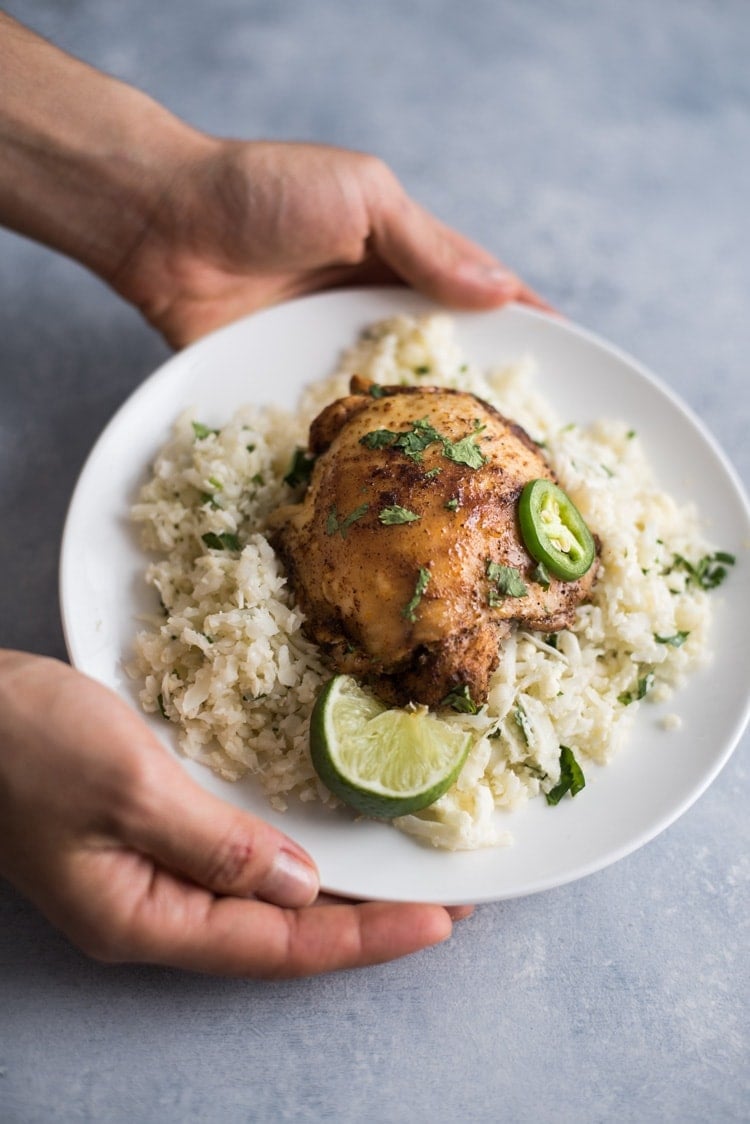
(405, 552)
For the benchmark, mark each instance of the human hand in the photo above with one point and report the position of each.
(196, 230)
(133, 861)
(245, 225)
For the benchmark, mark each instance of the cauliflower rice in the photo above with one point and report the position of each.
(227, 662)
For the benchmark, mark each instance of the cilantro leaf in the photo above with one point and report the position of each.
(415, 441)
(223, 541)
(675, 641)
(523, 723)
(412, 442)
(571, 780)
(334, 524)
(459, 698)
(397, 514)
(300, 470)
(465, 452)
(642, 688)
(202, 431)
(541, 575)
(378, 438)
(409, 612)
(506, 580)
(707, 572)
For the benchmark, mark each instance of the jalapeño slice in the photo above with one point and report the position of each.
(554, 531)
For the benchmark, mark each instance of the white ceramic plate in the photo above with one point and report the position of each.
(267, 358)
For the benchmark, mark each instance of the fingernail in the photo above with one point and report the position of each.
(292, 881)
(490, 274)
(459, 912)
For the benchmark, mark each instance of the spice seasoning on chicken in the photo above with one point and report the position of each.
(368, 593)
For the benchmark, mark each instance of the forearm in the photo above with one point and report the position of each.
(84, 159)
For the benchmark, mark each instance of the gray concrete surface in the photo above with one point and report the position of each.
(602, 149)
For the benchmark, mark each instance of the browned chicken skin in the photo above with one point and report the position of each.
(409, 607)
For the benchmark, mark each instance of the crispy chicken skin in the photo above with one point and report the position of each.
(409, 607)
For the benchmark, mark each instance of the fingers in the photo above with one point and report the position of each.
(127, 910)
(254, 938)
(230, 852)
(439, 261)
(455, 912)
(216, 845)
(184, 927)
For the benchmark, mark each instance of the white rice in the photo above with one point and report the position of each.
(226, 660)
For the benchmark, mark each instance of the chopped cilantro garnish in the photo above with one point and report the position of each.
(465, 452)
(423, 369)
(642, 688)
(416, 441)
(523, 723)
(571, 780)
(413, 442)
(708, 572)
(334, 524)
(223, 541)
(397, 514)
(202, 431)
(422, 434)
(409, 610)
(675, 641)
(460, 699)
(506, 580)
(541, 576)
(300, 470)
(376, 390)
(378, 438)
(452, 504)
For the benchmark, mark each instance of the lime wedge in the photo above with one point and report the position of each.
(382, 762)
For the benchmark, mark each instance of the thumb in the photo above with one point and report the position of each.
(216, 845)
(441, 262)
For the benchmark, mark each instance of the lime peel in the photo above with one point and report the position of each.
(382, 762)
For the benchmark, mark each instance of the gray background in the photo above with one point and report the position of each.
(603, 150)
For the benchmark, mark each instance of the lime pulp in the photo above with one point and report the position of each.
(382, 762)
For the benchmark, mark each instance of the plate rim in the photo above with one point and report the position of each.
(208, 343)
